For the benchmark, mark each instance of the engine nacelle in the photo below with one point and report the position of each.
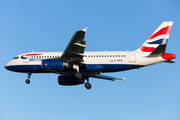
(53, 64)
(69, 80)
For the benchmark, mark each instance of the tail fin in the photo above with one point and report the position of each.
(156, 43)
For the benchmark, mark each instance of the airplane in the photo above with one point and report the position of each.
(74, 66)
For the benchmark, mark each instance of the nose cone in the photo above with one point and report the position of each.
(12, 66)
(7, 66)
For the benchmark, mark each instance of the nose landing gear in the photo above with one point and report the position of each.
(27, 80)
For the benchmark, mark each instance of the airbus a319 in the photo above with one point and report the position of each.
(75, 66)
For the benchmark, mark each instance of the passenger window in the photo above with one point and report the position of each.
(121, 55)
(107, 55)
(124, 55)
(97, 56)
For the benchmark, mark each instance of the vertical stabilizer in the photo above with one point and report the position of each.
(156, 43)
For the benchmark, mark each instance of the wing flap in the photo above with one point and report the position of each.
(106, 77)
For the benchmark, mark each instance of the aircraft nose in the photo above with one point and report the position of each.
(7, 66)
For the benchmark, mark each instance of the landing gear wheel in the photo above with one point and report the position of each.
(78, 75)
(27, 81)
(88, 85)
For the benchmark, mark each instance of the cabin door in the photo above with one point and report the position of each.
(132, 57)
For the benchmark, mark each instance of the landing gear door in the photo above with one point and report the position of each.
(26, 60)
(132, 57)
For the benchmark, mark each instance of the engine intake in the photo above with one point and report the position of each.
(53, 64)
(69, 80)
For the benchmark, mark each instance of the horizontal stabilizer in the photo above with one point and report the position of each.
(160, 50)
(169, 61)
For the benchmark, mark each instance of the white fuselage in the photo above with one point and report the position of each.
(107, 59)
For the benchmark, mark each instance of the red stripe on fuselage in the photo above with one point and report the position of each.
(147, 49)
(163, 31)
(31, 54)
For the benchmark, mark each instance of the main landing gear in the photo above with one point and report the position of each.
(87, 84)
(27, 80)
(79, 76)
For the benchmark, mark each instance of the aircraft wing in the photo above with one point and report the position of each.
(75, 49)
(106, 77)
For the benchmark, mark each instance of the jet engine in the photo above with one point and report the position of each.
(53, 64)
(69, 80)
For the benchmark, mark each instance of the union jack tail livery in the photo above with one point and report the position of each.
(156, 43)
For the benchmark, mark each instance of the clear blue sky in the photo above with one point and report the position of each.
(150, 93)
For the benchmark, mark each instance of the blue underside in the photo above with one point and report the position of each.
(106, 68)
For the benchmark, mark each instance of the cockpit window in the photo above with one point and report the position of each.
(15, 58)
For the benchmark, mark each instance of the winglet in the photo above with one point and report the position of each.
(85, 29)
(123, 79)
